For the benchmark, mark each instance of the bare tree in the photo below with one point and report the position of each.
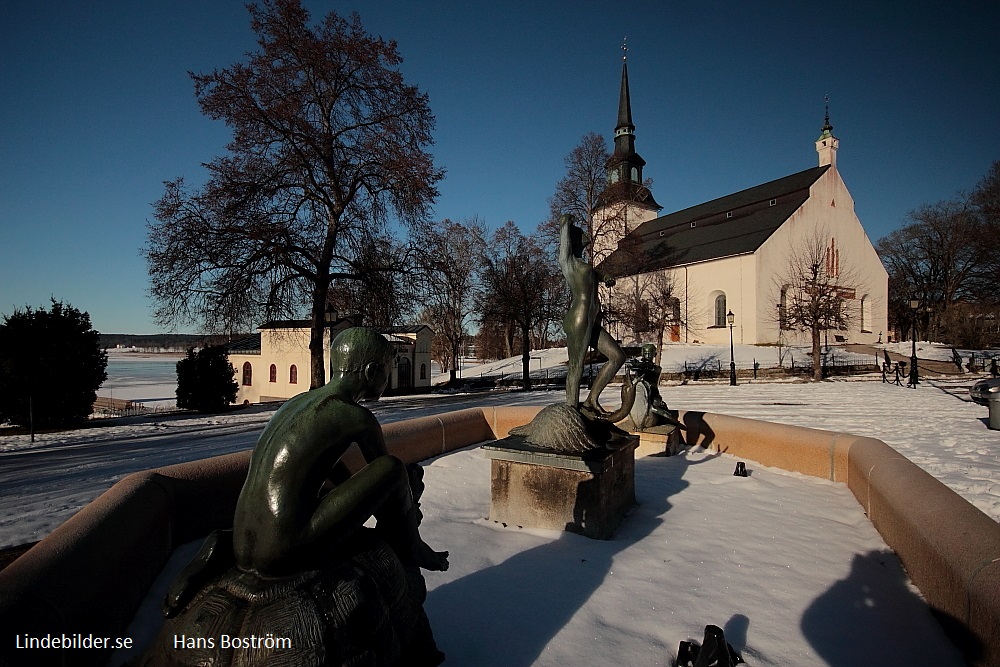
(664, 306)
(644, 306)
(815, 290)
(493, 341)
(935, 258)
(601, 209)
(945, 256)
(450, 262)
(516, 277)
(382, 294)
(328, 141)
(579, 192)
(985, 199)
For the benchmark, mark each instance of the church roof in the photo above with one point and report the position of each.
(626, 191)
(736, 224)
(406, 329)
(248, 345)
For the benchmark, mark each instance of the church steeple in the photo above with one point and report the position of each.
(625, 130)
(625, 203)
(625, 165)
(827, 144)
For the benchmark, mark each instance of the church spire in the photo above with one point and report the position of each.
(625, 165)
(625, 125)
(827, 128)
(827, 144)
(625, 203)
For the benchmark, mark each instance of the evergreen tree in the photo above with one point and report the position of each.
(206, 380)
(51, 365)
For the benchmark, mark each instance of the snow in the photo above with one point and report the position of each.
(787, 564)
(933, 351)
(676, 357)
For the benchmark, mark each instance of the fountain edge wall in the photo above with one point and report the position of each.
(90, 574)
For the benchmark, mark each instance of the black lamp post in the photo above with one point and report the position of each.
(914, 373)
(730, 318)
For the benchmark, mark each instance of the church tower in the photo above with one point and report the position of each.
(625, 203)
(827, 144)
(625, 164)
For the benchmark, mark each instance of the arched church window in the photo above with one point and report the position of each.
(613, 176)
(247, 374)
(273, 373)
(635, 175)
(720, 310)
(293, 375)
(866, 315)
(423, 371)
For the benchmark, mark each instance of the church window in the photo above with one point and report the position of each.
(293, 375)
(613, 176)
(635, 175)
(273, 374)
(833, 259)
(247, 374)
(423, 371)
(720, 310)
(866, 315)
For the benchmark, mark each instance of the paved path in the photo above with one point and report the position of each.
(928, 366)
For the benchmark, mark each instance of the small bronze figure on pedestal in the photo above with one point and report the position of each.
(649, 410)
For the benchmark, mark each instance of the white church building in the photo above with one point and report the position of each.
(733, 253)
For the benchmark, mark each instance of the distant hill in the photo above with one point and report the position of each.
(164, 342)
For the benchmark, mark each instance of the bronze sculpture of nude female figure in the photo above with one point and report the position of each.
(582, 321)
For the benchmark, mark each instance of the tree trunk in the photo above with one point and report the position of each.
(454, 361)
(317, 366)
(659, 343)
(526, 357)
(817, 355)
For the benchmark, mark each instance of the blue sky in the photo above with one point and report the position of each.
(97, 111)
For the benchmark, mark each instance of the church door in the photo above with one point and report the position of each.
(403, 373)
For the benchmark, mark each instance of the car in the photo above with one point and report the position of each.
(982, 390)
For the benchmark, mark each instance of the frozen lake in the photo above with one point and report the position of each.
(150, 379)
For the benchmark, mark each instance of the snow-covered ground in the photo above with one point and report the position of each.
(788, 565)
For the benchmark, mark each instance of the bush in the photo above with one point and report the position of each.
(206, 380)
(51, 365)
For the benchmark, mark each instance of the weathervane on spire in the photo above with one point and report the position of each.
(826, 120)
(625, 48)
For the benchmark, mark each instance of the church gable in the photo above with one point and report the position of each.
(732, 225)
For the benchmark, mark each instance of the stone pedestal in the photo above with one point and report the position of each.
(662, 440)
(586, 493)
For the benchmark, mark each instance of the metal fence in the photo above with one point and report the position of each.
(105, 407)
(834, 363)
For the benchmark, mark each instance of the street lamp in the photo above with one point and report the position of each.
(730, 318)
(914, 373)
